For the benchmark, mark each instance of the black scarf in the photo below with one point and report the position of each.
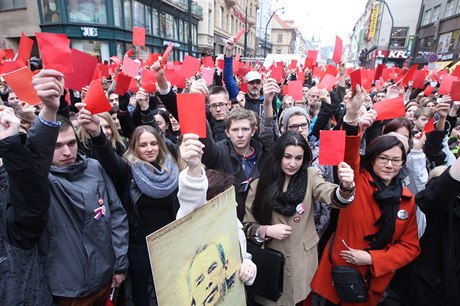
(388, 198)
(285, 203)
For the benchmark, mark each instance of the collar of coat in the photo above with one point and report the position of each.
(406, 194)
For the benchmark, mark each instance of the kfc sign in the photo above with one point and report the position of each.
(403, 54)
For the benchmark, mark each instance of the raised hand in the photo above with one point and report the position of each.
(9, 123)
(346, 175)
(191, 151)
(88, 121)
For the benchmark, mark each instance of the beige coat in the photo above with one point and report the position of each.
(300, 252)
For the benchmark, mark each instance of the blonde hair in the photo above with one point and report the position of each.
(436, 171)
(84, 136)
(131, 154)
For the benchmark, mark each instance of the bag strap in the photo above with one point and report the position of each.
(331, 243)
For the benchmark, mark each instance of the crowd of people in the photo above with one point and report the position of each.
(81, 191)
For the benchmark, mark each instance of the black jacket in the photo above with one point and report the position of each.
(433, 278)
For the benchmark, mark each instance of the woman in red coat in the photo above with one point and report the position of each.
(377, 234)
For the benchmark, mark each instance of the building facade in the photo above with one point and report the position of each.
(438, 43)
(104, 27)
(385, 29)
(283, 36)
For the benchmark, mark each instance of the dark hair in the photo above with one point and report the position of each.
(218, 182)
(379, 145)
(65, 123)
(272, 177)
(397, 123)
(215, 90)
(169, 131)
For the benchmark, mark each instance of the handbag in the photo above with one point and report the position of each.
(270, 270)
(349, 283)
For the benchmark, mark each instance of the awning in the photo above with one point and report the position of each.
(441, 64)
(452, 68)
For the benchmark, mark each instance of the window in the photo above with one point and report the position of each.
(148, 20)
(117, 13)
(89, 11)
(278, 51)
(450, 8)
(427, 17)
(221, 17)
(435, 16)
(232, 21)
(155, 23)
(229, 28)
(181, 30)
(279, 38)
(138, 15)
(458, 8)
(19, 4)
(398, 36)
(99, 49)
(127, 10)
(250, 10)
(448, 42)
(427, 42)
(50, 9)
(209, 21)
(167, 26)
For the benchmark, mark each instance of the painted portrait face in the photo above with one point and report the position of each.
(208, 277)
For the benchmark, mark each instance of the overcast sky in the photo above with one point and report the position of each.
(323, 18)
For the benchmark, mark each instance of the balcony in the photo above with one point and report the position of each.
(230, 3)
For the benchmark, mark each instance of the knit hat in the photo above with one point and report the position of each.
(289, 112)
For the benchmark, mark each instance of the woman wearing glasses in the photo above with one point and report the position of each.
(378, 233)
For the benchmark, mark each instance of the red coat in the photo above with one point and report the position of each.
(357, 221)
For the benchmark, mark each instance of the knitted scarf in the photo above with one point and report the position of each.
(154, 181)
(388, 198)
(286, 202)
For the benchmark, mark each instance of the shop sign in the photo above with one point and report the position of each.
(89, 31)
(403, 54)
(446, 57)
(373, 22)
(175, 44)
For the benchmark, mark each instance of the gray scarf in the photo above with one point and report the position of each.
(154, 181)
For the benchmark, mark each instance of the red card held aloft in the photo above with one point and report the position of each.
(378, 71)
(331, 147)
(130, 67)
(208, 62)
(123, 82)
(429, 126)
(355, 78)
(116, 60)
(138, 36)
(332, 70)
(293, 64)
(148, 80)
(313, 54)
(82, 74)
(208, 75)
(295, 90)
(153, 57)
(408, 76)
(390, 108)
(191, 109)
(2, 54)
(428, 90)
(20, 82)
(418, 79)
(446, 84)
(9, 54)
(239, 34)
(55, 51)
(96, 100)
(327, 82)
(244, 87)
(455, 91)
(337, 56)
(190, 66)
(24, 49)
(164, 57)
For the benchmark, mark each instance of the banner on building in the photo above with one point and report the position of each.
(373, 22)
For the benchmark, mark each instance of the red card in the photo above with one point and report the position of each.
(408, 76)
(295, 90)
(327, 82)
(2, 54)
(104, 69)
(332, 70)
(55, 51)
(455, 91)
(122, 85)
(20, 82)
(355, 78)
(285, 90)
(152, 59)
(428, 90)
(313, 54)
(239, 34)
(190, 66)
(208, 75)
(9, 54)
(24, 49)
(220, 64)
(429, 126)
(82, 74)
(293, 64)
(138, 36)
(96, 100)
(308, 63)
(7, 66)
(116, 60)
(390, 108)
(316, 72)
(168, 50)
(379, 71)
(456, 71)
(191, 109)
(208, 61)
(418, 79)
(366, 78)
(148, 80)
(446, 84)
(244, 87)
(331, 147)
(337, 57)
(133, 85)
(130, 67)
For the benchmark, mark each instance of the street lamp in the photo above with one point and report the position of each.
(266, 28)
(385, 59)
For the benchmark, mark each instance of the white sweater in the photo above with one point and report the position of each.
(192, 195)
